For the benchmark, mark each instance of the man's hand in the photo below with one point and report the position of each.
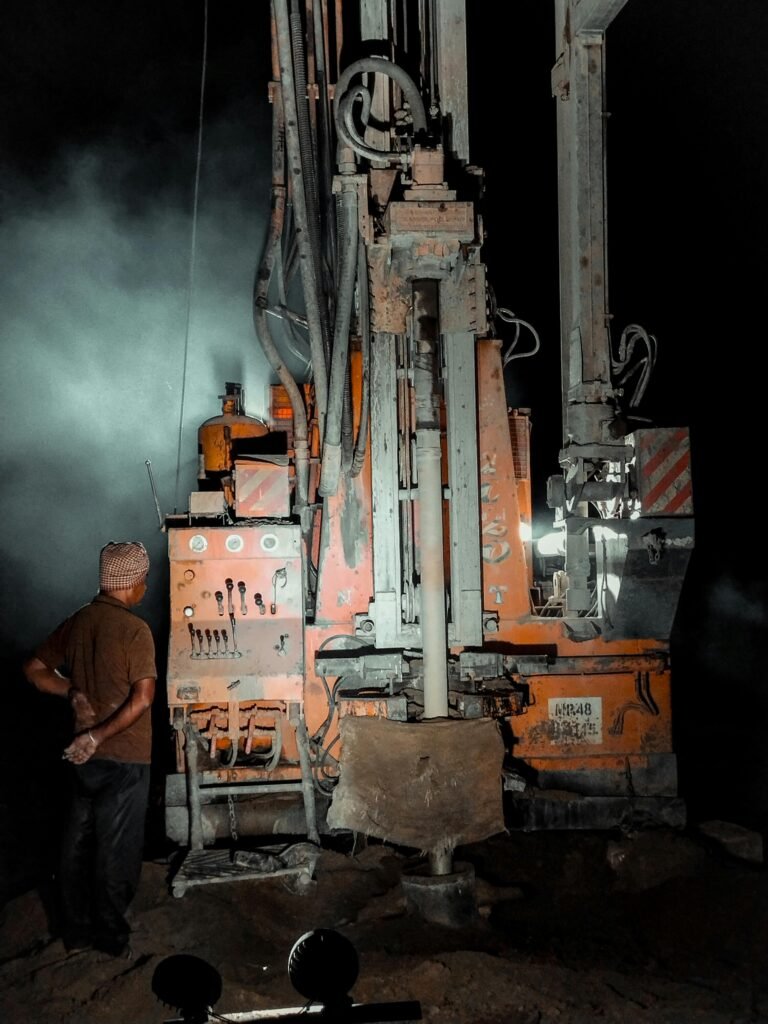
(89, 739)
(81, 749)
(85, 716)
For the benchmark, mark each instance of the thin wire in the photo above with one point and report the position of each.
(192, 248)
(509, 317)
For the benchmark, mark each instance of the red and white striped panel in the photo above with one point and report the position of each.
(261, 489)
(663, 464)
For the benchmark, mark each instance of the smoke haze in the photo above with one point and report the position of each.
(94, 301)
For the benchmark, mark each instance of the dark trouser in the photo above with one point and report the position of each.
(102, 852)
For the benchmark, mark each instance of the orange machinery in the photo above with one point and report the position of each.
(368, 552)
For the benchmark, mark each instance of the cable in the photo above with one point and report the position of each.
(343, 636)
(342, 106)
(327, 784)
(509, 318)
(620, 365)
(192, 248)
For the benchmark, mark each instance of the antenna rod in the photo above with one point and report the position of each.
(148, 464)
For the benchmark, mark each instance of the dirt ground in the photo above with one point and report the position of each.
(665, 927)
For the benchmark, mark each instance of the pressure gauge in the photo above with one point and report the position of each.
(234, 543)
(198, 543)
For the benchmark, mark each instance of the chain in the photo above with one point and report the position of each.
(232, 818)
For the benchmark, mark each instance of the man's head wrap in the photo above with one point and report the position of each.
(122, 565)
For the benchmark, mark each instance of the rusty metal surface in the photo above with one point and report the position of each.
(217, 436)
(453, 220)
(505, 573)
(579, 717)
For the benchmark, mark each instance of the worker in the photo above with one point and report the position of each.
(102, 659)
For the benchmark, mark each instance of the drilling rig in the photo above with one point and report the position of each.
(364, 636)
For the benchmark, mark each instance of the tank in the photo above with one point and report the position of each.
(218, 436)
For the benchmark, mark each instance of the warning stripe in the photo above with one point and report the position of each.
(677, 470)
(268, 479)
(683, 495)
(670, 445)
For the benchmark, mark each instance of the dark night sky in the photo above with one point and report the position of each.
(98, 116)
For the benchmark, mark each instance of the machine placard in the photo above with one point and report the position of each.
(576, 720)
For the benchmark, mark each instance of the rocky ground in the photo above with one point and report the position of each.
(662, 927)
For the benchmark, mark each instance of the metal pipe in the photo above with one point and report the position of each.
(433, 626)
(281, 813)
(361, 443)
(346, 202)
(430, 498)
(441, 861)
(193, 791)
(307, 784)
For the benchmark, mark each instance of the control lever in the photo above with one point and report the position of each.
(217, 638)
(208, 638)
(281, 648)
(230, 587)
(243, 605)
(260, 604)
(279, 578)
(220, 601)
(225, 638)
(199, 635)
(232, 622)
(191, 628)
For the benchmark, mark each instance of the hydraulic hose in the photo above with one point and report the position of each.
(308, 152)
(346, 203)
(261, 322)
(306, 263)
(307, 786)
(365, 333)
(260, 301)
(347, 428)
(324, 120)
(342, 104)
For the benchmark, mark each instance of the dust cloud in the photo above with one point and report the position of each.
(94, 299)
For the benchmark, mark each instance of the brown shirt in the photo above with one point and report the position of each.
(103, 649)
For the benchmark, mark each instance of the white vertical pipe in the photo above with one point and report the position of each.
(433, 627)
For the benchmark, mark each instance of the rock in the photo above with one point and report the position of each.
(735, 839)
(647, 859)
(389, 904)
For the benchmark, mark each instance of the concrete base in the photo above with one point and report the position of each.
(442, 899)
